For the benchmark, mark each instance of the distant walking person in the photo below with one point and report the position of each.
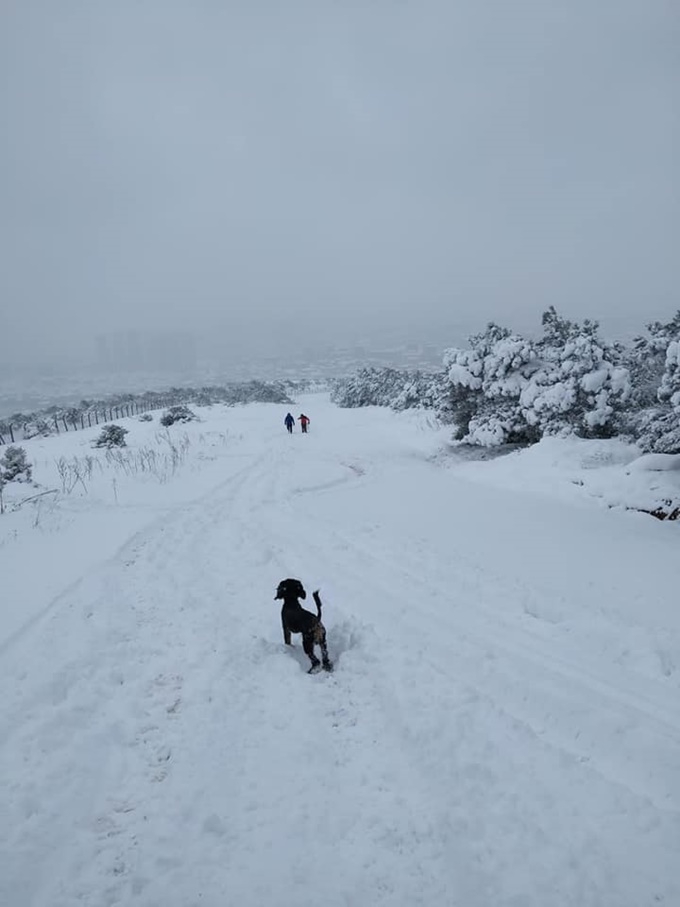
(289, 422)
(304, 422)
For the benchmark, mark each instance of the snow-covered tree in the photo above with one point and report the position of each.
(656, 430)
(506, 388)
(669, 388)
(661, 433)
(653, 415)
(646, 360)
(14, 467)
(464, 393)
(371, 386)
(579, 385)
(419, 391)
(484, 387)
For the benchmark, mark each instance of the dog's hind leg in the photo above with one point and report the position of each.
(308, 646)
(321, 640)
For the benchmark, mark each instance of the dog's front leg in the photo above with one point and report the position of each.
(286, 631)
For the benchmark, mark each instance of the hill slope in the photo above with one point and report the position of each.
(502, 727)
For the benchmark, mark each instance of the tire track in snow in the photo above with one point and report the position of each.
(175, 692)
(337, 767)
(507, 652)
(229, 770)
(99, 693)
(335, 776)
(475, 662)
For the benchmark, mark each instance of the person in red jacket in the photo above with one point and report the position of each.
(304, 422)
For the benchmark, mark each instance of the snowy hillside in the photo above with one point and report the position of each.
(503, 725)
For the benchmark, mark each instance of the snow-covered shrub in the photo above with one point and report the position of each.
(669, 388)
(38, 427)
(653, 413)
(508, 389)
(372, 386)
(484, 387)
(14, 466)
(112, 436)
(74, 417)
(419, 390)
(656, 430)
(146, 417)
(179, 413)
(499, 422)
(260, 392)
(646, 360)
(368, 387)
(463, 396)
(578, 385)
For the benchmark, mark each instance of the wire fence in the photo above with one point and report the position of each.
(77, 419)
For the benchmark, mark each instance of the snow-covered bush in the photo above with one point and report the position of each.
(499, 422)
(146, 417)
(659, 427)
(669, 389)
(656, 430)
(578, 386)
(462, 396)
(14, 467)
(180, 413)
(484, 387)
(646, 360)
(258, 392)
(653, 416)
(38, 427)
(112, 436)
(419, 390)
(508, 389)
(372, 386)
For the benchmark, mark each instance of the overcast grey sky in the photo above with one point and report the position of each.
(326, 165)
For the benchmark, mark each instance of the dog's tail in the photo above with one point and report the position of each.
(317, 599)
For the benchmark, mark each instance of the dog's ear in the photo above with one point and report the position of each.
(301, 590)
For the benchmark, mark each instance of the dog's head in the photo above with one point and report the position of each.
(290, 588)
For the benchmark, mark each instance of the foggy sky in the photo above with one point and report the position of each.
(320, 167)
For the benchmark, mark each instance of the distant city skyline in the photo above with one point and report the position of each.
(297, 171)
(225, 343)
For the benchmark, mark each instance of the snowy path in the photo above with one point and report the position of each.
(503, 727)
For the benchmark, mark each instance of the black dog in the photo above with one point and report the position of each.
(295, 619)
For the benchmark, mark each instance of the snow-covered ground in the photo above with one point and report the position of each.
(503, 725)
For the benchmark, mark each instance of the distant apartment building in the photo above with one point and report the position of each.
(146, 351)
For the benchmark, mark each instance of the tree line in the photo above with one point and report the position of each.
(504, 388)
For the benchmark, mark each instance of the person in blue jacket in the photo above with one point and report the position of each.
(289, 422)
